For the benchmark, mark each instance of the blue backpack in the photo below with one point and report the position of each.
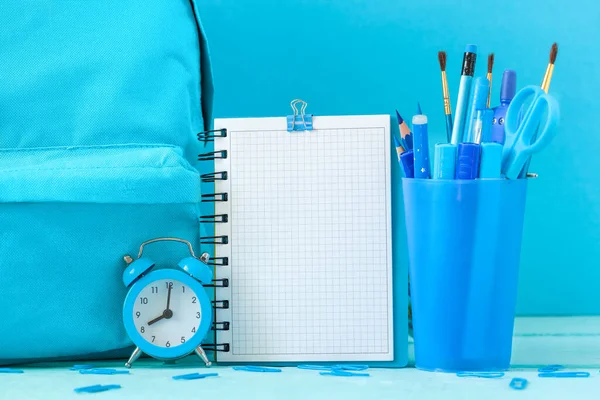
(101, 103)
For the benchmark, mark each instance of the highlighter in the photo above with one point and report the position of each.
(491, 160)
(508, 89)
(421, 147)
(477, 101)
(444, 161)
(464, 89)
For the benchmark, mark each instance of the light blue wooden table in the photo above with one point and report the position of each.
(573, 342)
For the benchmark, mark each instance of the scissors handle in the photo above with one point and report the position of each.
(531, 133)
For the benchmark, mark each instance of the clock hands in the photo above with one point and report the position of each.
(156, 319)
(167, 314)
(169, 297)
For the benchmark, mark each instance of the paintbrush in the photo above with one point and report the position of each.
(446, 94)
(489, 76)
(550, 68)
(545, 87)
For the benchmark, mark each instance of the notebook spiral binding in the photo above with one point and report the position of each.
(211, 177)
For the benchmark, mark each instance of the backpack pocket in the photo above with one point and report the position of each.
(68, 216)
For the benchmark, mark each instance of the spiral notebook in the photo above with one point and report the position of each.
(303, 241)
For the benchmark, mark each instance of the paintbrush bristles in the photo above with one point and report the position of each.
(442, 60)
(553, 53)
(490, 63)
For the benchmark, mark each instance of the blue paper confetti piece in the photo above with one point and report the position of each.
(351, 367)
(10, 371)
(96, 388)
(77, 367)
(339, 372)
(195, 375)
(253, 368)
(103, 371)
(518, 383)
(314, 367)
(564, 374)
(481, 374)
(551, 368)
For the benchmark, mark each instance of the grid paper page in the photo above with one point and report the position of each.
(309, 242)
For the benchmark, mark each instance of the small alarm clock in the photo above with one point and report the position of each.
(166, 312)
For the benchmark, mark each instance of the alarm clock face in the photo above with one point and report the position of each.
(167, 313)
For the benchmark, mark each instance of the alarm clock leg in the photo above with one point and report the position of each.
(134, 356)
(200, 351)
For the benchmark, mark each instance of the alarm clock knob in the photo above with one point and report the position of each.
(136, 269)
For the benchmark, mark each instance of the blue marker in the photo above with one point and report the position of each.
(421, 147)
(491, 160)
(467, 162)
(477, 101)
(468, 70)
(444, 161)
(508, 89)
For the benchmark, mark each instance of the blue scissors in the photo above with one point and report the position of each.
(530, 134)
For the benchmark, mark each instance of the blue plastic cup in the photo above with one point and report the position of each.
(464, 245)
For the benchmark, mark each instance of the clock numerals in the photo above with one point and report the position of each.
(169, 284)
(194, 299)
(168, 344)
(198, 315)
(154, 289)
(183, 339)
(137, 314)
(183, 289)
(142, 329)
(193, 329)
(153, 339)
(143, 300)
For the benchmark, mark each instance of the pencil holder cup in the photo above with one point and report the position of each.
(464, 245)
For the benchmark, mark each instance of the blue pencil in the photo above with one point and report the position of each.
(405, 133)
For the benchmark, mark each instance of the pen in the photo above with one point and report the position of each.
(468, 70)
(477, 101)
(421, 147)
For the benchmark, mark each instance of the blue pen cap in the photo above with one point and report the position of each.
(508, 88)
(467, 162)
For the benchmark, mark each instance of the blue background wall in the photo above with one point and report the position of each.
(373, 56)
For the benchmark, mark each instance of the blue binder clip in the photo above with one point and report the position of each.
(299, 121)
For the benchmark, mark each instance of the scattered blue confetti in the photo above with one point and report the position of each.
(564, 374)
(339, 372)
(253, 368)
(194, 376)
(10, 371)
(551, 368)
(77, 367)
(518, 383)
(481, 374)
(96, 388)
(103, 371)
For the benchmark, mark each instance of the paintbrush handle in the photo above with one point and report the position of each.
(449, 127)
